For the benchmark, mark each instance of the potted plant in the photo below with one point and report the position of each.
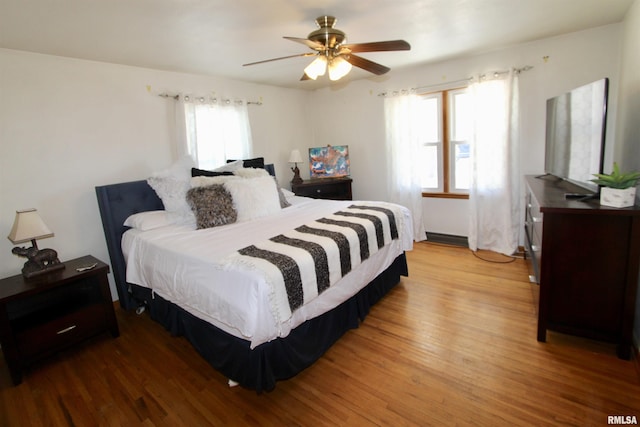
(618, 189)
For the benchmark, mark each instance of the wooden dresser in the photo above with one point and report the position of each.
(585, 258)
(324, 188)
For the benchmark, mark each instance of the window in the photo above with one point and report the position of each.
(445, 132)
(217, 131)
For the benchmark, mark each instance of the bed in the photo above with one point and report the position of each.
(235, 326)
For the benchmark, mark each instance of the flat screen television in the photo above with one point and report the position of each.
(575, 134)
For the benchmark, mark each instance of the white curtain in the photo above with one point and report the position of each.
(494, 196)
(403, 154)
(213, 130)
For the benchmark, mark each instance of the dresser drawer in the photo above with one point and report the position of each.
(534, 221)
(61, 332)
(322, 191)
(336, 189)
(533, 235)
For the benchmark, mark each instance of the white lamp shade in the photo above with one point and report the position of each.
(28, 226)
(316, 68)
(338, 68)
(295, 157)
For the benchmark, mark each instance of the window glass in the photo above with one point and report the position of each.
(445, 154)
(461, 127)
(430, 169)
(429, 125)
(461, 117)
(430, 131)
(462, 167)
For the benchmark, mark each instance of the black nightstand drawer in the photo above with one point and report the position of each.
(325, 188)
(47, 338)
(48, 305)
(321, 191)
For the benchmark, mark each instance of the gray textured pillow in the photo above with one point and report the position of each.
(283, 200)
(212, 206)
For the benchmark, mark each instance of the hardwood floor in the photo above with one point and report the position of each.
(453, 344)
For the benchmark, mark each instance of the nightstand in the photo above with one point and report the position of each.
(45, 314)
(324, 188)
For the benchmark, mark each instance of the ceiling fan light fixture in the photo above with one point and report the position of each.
(331, 50)
(338, 68)
(317, 67)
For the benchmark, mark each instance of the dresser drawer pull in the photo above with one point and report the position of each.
(65, 330)
(318, 191)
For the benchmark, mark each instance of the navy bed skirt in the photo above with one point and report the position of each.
(282, 358)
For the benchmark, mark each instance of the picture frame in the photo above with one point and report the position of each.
(329, 161)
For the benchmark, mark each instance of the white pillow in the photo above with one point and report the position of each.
(287, 193)
(229, 167)
(148, 220)
(254, 197)
(251, 172)
(204, 181)
(172, 185)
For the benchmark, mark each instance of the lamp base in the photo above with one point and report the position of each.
(296, 176)
(39, 261)
(31, 269)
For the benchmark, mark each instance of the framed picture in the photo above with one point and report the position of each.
(328, 162)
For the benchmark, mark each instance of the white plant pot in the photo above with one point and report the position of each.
(618, 198)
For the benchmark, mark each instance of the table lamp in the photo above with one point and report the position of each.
(28, 226)
(295, 158)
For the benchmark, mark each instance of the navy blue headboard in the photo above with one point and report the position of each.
(116, 202)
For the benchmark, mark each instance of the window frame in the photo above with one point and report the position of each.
(445, 173)
(441, 132)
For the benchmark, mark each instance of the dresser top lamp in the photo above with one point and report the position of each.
(295, 158)
(28, 226)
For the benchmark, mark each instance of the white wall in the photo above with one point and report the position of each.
(628, 148)
(353, 114)
(68, 125)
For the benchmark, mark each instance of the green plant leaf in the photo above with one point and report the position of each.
(616, 179)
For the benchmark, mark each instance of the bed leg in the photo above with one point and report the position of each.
(232, 383)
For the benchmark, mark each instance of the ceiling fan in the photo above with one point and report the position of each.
(333, 55)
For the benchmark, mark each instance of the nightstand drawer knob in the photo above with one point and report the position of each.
(65, 330)
(318, 191)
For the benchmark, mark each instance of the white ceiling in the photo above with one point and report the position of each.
(215, 37)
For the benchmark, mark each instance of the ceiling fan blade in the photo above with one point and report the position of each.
(378, 46)
(365, 64)
(278, 59)
(310, 43)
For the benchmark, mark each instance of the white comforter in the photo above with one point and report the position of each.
(182, 265)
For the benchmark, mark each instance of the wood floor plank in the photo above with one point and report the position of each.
(453, 344)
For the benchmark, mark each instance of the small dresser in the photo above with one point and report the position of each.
(324, 188)
(50, 312)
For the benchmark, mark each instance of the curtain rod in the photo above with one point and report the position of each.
(202, 98)
(450, 83)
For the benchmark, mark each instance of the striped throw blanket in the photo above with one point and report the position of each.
(300, 264)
